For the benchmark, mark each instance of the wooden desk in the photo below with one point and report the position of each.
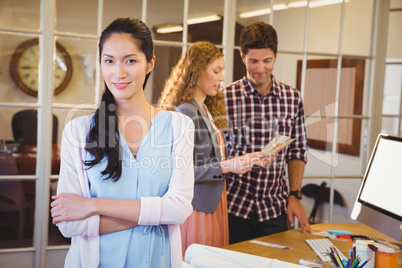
(296, 240)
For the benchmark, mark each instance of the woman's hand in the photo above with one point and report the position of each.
(238, 165)
(70, 207)
(264, 160)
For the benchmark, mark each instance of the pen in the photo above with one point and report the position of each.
(364, 263)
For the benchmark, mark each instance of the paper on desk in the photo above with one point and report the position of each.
(186, 265)
(208, 261)
(325, 234)
(201, 256)
(269, 244)
(276, 145)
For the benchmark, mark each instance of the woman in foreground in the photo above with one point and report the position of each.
(126, 178)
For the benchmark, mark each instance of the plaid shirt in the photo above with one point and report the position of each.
(253, 122)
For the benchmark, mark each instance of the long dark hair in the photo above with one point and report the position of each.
(104, 127)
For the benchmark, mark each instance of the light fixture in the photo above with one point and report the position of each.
(179, 28)
(171, 29)
(261, 12)
(280, 6)
(296, 4)
(255, 13)
(203, 19)
(325, 3)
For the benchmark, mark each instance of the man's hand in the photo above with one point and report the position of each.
(296, 209)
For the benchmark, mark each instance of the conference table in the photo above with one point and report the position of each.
(295, 239)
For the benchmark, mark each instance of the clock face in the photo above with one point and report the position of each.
(24, 67)
(28, 66)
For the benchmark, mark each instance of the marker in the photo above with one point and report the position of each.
(372, 247)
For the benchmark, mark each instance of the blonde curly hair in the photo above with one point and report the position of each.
(181, 85)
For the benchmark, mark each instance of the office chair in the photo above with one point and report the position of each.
(25, 127)
(19, 196)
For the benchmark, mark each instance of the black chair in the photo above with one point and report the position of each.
(18, 197)
(25, 127)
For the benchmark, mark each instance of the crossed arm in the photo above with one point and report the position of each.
(114, 212)
(77, 214)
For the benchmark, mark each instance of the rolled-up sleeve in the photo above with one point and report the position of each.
(175, 206)
(298, 148)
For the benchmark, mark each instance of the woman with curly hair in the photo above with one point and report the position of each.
(193, 89)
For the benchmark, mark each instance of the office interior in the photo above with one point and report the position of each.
(344, 56)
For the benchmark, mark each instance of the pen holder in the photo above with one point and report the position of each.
(386, 257)
(364, 252)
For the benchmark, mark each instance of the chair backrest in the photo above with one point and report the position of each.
(25, 127)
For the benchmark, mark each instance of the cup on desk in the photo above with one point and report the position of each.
(364, 252)
(386, 257)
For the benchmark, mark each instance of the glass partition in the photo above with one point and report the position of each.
(21, 64)
(205, 22)
(82, 19)
(357, 33)
(323, 30)
(166, 58)
(20, 15)
(17, 210)
(293, 17)
(81, 87)
(113, 9)
(166, 22)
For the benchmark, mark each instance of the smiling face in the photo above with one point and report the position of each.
(259, 64)
(124, 66)
(210, 82)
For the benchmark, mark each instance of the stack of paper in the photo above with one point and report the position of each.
(200, 256)
(276, 145)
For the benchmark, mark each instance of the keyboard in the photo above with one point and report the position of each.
(321, 247)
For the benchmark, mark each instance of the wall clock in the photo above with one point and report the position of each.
(24, 67)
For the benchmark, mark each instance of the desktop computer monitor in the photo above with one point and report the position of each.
(379, 201)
